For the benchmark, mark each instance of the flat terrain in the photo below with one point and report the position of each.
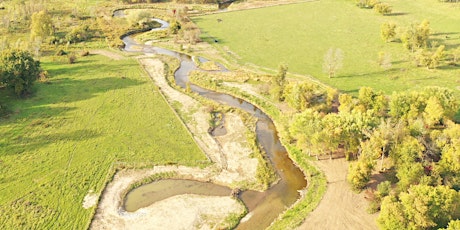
(65, 142)
(340, 207)
(300, 34)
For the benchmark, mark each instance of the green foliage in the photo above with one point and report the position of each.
(383, 8)
(371, 100)
(453, 225)
(303, 47)
(301, 96)
(346, 103)
(78, 34)
(417, 35)
(86, 123)
(429, 59)
(138, 18)
(422, 207)
(18, 70)
(388, 31)
(174, 27)
(277, 83)
(411, 105)
(304, 129)
(434, 112)
(384, 189)
(42, 25)
(449, 165)
(359, 173)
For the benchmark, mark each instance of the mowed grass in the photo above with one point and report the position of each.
(66, 140)
(299, 35)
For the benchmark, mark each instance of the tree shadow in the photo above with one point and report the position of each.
(54, 99)
(397, 14)
(20, 144)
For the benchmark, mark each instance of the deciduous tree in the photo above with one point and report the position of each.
(333, 61)
(18, 70)
(41, 25)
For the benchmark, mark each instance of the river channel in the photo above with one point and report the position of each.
(264, 207)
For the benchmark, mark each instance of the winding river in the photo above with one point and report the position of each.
(264, 207)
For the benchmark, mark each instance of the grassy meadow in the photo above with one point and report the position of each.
(299, 35)
(66, 140)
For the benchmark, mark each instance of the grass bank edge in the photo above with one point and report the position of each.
(316, 179)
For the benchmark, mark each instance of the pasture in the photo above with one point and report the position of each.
(299, 35)
(66, 141)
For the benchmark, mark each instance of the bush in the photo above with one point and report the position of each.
(72, 58)
(359, 174)
(18, 70)
(383, 8)
(369, 4)
(79, 34)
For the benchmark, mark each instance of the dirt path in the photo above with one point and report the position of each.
(340, 208)
(230, 153)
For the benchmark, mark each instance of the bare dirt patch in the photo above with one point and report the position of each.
(340, 207)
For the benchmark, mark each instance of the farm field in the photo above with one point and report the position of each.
(92, 117)
(299, 35)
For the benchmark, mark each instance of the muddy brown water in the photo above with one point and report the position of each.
(264, 207)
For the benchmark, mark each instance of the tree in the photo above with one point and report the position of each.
(383, 8)
(303, 127)
(359, 173)
(346, 103)
(453, 225)
(385, 60)
(434, 112)
(449, 165)
(139, 17)
(422, 207)
(41, 26)
(18, 70)
(392, 216)
(278, 83)
(437, 56)
(333, 61)
(416, 36)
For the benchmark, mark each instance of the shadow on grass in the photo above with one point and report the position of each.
(397, 14)
(30, 120)
(21, 144)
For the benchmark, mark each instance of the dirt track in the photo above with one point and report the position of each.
(340, 207)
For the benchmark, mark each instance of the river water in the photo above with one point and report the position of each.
(264, 207)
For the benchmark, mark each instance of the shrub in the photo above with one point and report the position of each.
(18, 70)
(383, 8)
(79, 34)
(72, 58)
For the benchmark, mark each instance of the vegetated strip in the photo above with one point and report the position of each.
(316, 179)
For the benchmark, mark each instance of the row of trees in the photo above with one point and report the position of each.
(416, 38)
(379, 7)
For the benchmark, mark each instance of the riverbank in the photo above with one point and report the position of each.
(231, 167)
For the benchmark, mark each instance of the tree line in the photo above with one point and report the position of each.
(409, 136)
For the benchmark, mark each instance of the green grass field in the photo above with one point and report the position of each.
(300, 34)
(94, 116)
